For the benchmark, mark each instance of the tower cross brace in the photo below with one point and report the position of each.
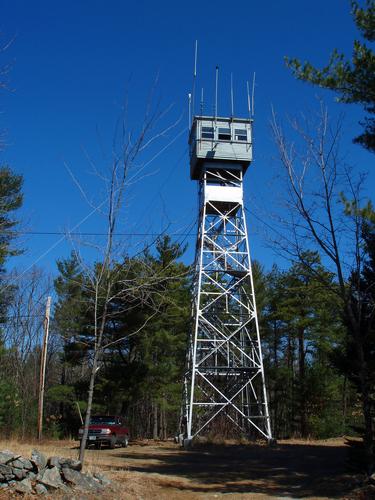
(224, 384)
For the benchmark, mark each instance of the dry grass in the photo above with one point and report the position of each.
(149, 470)
(137, 486)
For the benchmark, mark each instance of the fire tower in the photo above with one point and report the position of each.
(224, 381)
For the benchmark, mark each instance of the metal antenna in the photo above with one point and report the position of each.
(189, 104)
(248, 99)
(202, 102)
(252, 95)
(231, 94)
(216, 85)
(194, 75)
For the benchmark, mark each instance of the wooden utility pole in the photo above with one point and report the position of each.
(43, 363)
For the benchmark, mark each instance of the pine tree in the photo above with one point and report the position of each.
(353, 81)
(10, 200)
(142, 360)
(302, 322)
(357, 358)
(164, 342)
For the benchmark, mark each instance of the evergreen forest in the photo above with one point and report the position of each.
(309, 357)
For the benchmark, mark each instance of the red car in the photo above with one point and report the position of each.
(106, 429)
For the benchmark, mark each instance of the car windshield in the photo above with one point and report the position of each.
(103, 420)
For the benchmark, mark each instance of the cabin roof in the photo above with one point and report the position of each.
(222, 118)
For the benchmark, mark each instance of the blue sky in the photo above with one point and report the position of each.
(75, 63)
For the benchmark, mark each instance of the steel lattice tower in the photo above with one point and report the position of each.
(225, 375)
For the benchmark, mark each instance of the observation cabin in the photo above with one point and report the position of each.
(219, 143)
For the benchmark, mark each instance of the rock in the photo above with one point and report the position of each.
(19, 473)
(64, 462)
(54, 462)
(7, 456)
(22, 463)
(103, 480)
(51, 478)
(79, 480)
(34, 476)
(70, 463)
(23, 486)
(40, 489)
(66, 489)
(6, 472)
(93, 484)
(5, 469)
(38, 459)
(72, 476)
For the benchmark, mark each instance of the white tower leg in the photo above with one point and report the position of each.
(225, 375)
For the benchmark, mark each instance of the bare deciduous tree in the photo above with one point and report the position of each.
(106, 279)
(22, 332)
(318, 186)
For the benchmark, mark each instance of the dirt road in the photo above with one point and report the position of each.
(148, 470)
(291, 469)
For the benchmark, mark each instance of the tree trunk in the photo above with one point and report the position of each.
(275, 399)
(367, 404)
(155, 428)
(364, 389)
(290, 410)
(163, 424)
(344, 405)
(369, 430)
(89, 406)
(165, 434)
(302, 385)
(162, 418)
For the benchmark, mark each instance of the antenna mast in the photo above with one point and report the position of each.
(248, 99)
(231, 94)
(189, 105)
(194, 76)
(216, 85)
(252, 95)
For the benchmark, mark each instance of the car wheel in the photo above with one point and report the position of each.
(125, 443)
(112, 443)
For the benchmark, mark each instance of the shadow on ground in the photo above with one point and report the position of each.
(297, 470)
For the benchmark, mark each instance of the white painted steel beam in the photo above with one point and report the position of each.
(225, 375)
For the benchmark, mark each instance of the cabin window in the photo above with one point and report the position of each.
(240, 134)
(207, 132)
(224, 134)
